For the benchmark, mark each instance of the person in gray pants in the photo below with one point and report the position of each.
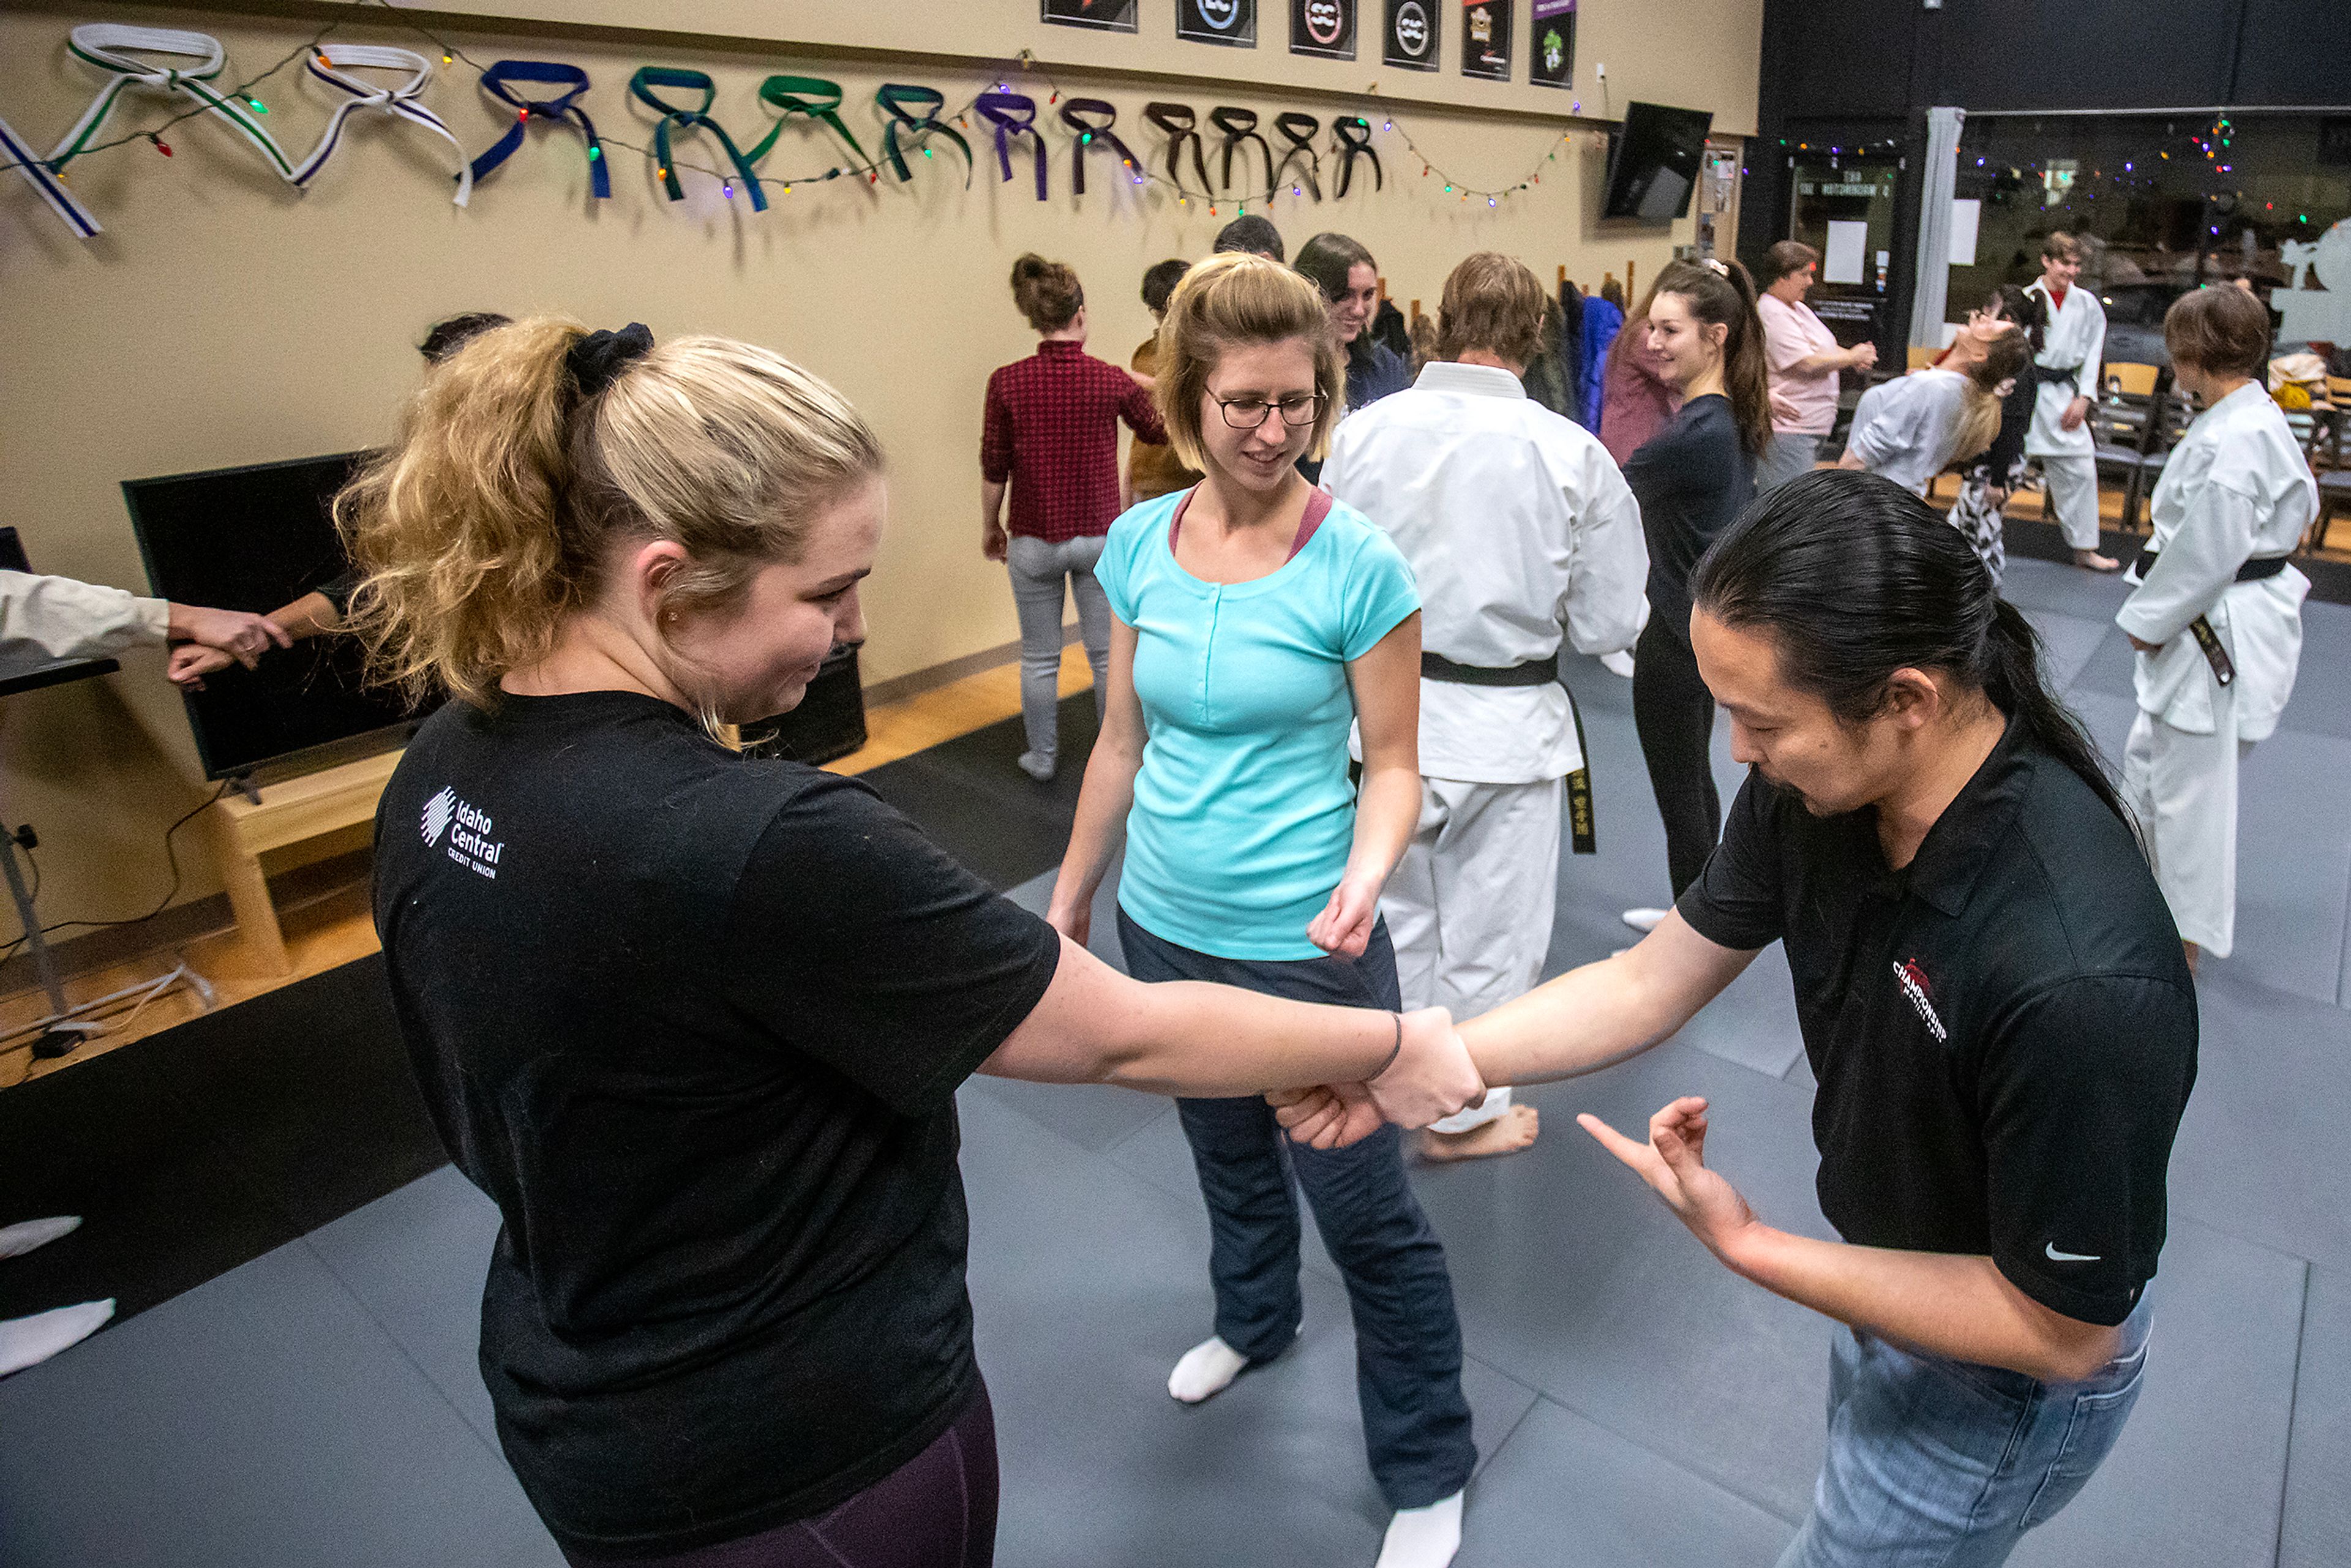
(1049, 442)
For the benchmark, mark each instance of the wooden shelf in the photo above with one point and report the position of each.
(290, 812)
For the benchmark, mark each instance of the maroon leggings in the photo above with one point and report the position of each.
(935, 1510)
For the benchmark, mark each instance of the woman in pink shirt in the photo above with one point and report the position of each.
(1805, 359)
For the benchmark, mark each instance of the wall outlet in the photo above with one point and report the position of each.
(1600, 71)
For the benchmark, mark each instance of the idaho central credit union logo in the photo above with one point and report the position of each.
(1412, 27)
(470, 844)
(1913, 981)
(1326, 23)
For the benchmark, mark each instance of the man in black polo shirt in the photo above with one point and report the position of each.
(1992, 996)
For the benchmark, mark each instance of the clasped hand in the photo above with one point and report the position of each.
(1431, 1078)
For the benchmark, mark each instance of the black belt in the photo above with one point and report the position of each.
(1581, 830)
(2254, 570)
(2047, 374)
(2224, 669)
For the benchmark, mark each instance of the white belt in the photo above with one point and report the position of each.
(100, 43)
(28, 163)
(401, 101)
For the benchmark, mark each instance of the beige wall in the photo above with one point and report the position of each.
(223, 318)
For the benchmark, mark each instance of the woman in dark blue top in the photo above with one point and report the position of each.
(1692, 479)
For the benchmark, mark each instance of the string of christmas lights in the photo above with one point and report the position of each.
(1023, 68)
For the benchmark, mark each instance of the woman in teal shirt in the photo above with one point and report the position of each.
(1256, 620)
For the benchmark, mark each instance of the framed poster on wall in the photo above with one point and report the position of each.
(1324, 27)
(1486, 39)
(1232, 23)
(1552, 44)
(1411, 40)
(1102, 15)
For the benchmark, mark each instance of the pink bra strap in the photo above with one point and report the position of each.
(1318, 507)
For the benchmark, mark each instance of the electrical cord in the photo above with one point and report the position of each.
(170, 856)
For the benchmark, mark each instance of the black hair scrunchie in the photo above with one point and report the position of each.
(596, 360)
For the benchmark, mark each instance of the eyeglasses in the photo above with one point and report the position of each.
(1248, 412)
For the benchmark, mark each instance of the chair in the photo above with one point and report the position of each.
(2132, 379)
(2135, 432)
(2323, 445)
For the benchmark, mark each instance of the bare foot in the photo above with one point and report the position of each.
(1513, 1130)
(2092, 560)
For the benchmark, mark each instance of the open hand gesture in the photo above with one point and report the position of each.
(1673, 1162)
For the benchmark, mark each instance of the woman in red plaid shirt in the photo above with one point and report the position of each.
(1050, 436)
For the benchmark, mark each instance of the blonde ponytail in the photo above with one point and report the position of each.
(488, 522)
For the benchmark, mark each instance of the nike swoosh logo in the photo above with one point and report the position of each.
(2057, 1257)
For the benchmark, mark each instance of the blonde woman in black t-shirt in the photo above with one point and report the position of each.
(694, 1022)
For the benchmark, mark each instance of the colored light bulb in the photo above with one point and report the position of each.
(256, 106)
(160, 145)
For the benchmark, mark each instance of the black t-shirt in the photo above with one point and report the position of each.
(696, 1022)
(1692, 479)
(2004, 1030)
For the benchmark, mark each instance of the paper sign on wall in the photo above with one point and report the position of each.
(1848, 243)
(1325, 27)
(1964, 216)
(1553, 44)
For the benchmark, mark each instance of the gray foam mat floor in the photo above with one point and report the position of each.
(1635, 1403)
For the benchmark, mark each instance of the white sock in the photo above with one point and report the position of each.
(1423, 1536)
(1645, 920)
(1206, 1370)
(23, 1341)
(20, 1239)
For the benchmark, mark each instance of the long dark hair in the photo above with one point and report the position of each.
(2029, 312)
(1727, 299)
(1852, 578)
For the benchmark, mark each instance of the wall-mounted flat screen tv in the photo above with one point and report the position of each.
(1654, 163)
(256, 538)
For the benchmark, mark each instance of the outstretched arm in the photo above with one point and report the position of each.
(1947, 1304)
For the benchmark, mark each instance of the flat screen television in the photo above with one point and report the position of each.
(256, 538)
(1653, 166)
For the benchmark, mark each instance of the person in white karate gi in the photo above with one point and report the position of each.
(1522, 535)
(2217, 613)
(44, 620)
(2073, 352)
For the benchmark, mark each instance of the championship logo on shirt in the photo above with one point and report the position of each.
(1232, 22)
(470, 844)
(1913, 980)
(1411, 42)
(1325, 27)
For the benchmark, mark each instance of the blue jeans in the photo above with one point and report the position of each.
(1407, 1339)
(1934, 1463)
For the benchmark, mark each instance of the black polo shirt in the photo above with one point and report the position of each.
(2004, 1030)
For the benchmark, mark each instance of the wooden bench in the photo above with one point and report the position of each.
(288, 812)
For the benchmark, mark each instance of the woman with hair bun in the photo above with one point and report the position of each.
(1692, 479)
(694, 1020)
(1050, 440)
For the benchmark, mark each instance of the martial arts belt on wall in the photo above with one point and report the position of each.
(812, 98)
(2224, 669)
(1299, 130)
(1179, 123)
(102, 44)
(400, 100)
(1353, 136)
(1239, 126)
(1534, 672)
(1012, 114)
(562, 109)
(1092, 118)
(27, 163)
(894, 98)
(641, 86)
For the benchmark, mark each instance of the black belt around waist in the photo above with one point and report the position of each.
(2253, 570)
(2224, 669)
(1582, 829)
(1533, 673)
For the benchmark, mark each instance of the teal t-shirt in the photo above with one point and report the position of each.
(1243, 813)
